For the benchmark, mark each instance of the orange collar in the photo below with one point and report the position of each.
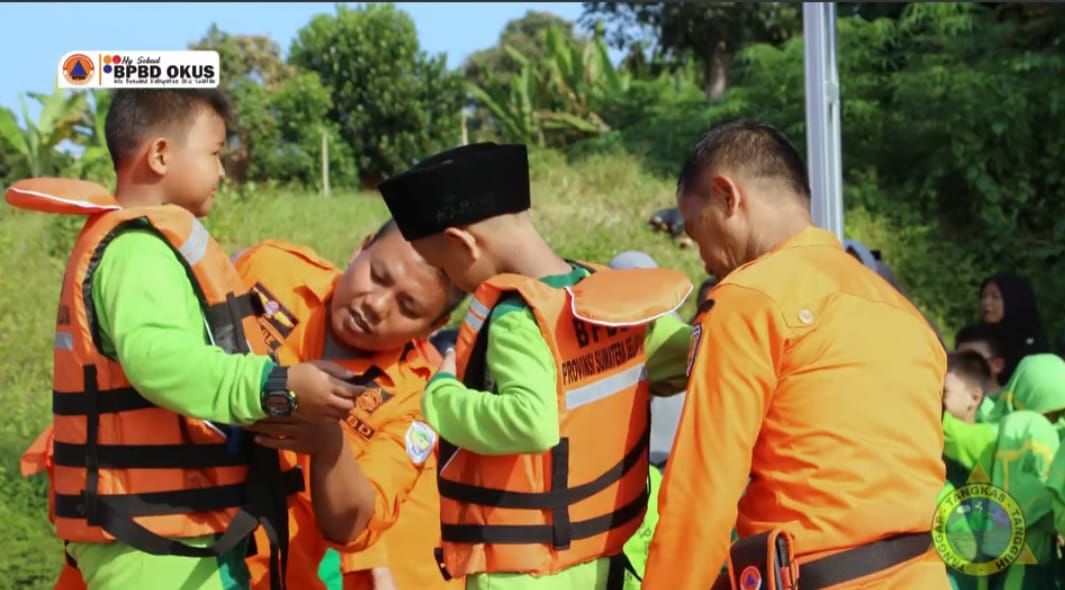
(811, 236)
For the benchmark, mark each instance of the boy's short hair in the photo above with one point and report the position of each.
(750, 146)
(980, 333)
(704, 287)
(455, 296)
(970, 367)
(135, 114)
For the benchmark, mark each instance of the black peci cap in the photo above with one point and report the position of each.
(459, 187)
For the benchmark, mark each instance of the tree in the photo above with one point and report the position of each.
(300, 107)
(245, 57)
(393, 103)
(251, 68)
(526, 36)
(707, 32)
(496, 67)
(36, 143)
(94, 162)
(558, 98)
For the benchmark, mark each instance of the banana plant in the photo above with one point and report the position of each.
(512, 106)
(95, 161)
(36, 143)
(581, 76)
(556, 99)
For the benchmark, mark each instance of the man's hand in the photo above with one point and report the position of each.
(321, 393)
(447, 365)
(299, 435)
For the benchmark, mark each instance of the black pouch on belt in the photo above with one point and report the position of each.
(761, 562)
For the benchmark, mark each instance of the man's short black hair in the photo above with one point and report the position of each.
(704, 288)
(749, 146)
(134, 114)
(970, 367)
(980, 333)
(455, 296)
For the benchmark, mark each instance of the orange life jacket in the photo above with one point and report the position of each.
(295, 285)
(542, 513)
(124, 468)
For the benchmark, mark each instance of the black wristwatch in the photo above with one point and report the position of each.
(277, 401)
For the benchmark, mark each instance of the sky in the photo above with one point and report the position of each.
(44, 32)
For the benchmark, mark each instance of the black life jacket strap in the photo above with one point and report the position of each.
(173, 502)
(225, 320)
(149, 456)
(558, 496)
(262, 497)
(108, 401)
(545, 533)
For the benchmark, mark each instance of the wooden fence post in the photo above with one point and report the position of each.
(325, 162)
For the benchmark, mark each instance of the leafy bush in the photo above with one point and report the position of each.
(393, 103)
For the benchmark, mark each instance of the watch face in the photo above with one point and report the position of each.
(279, 404)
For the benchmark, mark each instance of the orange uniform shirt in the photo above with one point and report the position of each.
(296, 286)
(819, 380)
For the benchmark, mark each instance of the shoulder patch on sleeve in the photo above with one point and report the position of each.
(421, 439)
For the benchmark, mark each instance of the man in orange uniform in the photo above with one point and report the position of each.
(812, 376)
(371, 319)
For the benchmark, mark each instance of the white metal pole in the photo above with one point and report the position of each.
(822, 115)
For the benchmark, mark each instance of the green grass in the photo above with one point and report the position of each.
(590, 211)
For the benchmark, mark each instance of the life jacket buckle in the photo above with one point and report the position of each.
(87, 508)
(438, 553)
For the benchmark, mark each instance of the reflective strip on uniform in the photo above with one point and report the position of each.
(605, 388)
(476, 314)
(64, 341)
(478, 308)
(196, 245)
(474, 321)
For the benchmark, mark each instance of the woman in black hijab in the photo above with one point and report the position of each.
(1007, 304)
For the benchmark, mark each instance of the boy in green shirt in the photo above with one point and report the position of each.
(476, 201)
(981, 339)
(165, 145)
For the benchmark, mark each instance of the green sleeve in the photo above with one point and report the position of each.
(1056, 486)
(667, 355)
(522, 415)
(151, 322)
(1027, 443)
(639, 544)
(968, 444)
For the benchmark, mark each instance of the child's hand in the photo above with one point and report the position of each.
(298, 435)
(447, 364)
(321, 395)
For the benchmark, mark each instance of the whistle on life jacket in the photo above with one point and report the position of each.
(763, 562)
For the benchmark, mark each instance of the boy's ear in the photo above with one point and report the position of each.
(158, 155)
(463, 241)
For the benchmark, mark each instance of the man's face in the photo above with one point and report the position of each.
(959, 397)
(714, 220)
(193, 163)
(387, 296)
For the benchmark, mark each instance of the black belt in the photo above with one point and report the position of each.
(854, 563)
